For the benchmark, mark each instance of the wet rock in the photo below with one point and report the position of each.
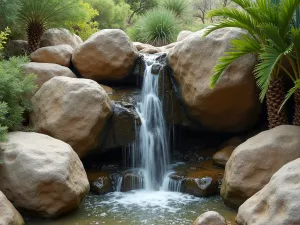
(152, 50)
(16, 48)
(140, 46)
(107, 89)
(100, 182)
(59, 54)
(221, 157)
(8, 214)
(42, 174)
(233, 105)
(183, 35)
(113, 56)
(121, 129)
(156, 68)
(199, 179)
(210, 218)
(57, 36)
(132, 181)
(277, 203)
(46, 71)
(72, 110)
(253, 163)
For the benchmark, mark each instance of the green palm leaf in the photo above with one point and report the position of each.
(291, 92)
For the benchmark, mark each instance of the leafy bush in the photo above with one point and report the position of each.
(158, 27)
(3, 37)
(178, 7)
(15, 89)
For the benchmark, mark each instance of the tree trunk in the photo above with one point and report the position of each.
(275, 98)
(296, 120)
(35, 31)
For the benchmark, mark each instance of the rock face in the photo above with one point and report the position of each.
(107, 55)
(46, 71)
(253, 163)
(210, 218)
(59, 54)
(72, 110)
(57, 36)
(221, 157)
(42, 174)
(8, 214)
(233, 105)
(122, 128)
(277, 203)
(183, 35)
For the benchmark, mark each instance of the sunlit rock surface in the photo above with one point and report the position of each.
(42, 174)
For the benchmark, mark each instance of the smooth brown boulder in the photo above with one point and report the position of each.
(210, 218)
(254, 162)
(183, 35)
(277, 203)
(59, 54)
(221, 157)
(46, 71)
(42, 174)
(8, 214)
(59, 36)
(107, 55)
(72, 110)
(233, 104)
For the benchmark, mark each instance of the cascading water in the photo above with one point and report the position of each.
(150, 152)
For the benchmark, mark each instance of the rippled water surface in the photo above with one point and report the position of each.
(141, 207)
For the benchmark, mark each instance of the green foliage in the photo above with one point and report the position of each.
(139, 7)
(15, 89)
(3, 37)
(178, 7)
(111, 14)
(86, 27)
(158, 27)
(8, 12)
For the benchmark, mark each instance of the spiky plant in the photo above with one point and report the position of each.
(157, 27)
(178, 7)
(268, 24)
(37, 15)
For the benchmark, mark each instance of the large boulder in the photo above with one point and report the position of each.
(277, 203)
(46, 71)
(107, 55)
(253, 163)
(56, 36)
(42, 174)
(183, 35)
(8, 214)
(59, 54)
(210, 218)
(233, 105)
(72, 110)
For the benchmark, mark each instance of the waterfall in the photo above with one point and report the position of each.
(150, 152)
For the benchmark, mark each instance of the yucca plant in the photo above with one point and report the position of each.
(157, 27)
(37, 15)
(178, 7)
(268, 23)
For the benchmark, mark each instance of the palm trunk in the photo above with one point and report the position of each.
(275, 98)
(296, 120)
(35, 31)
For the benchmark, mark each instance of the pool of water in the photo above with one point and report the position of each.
(141, 208)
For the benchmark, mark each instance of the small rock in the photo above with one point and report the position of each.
(210, 218)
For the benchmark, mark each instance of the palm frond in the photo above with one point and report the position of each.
(290, 93)
(239, 47)
(265, 71)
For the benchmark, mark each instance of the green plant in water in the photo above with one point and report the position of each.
(271, 37)
(15, 91)
(157, 27)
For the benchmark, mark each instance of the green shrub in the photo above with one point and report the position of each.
(157, 27)
(178, 7)
(15, 91)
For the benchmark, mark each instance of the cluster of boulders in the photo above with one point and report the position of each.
(75, 116)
